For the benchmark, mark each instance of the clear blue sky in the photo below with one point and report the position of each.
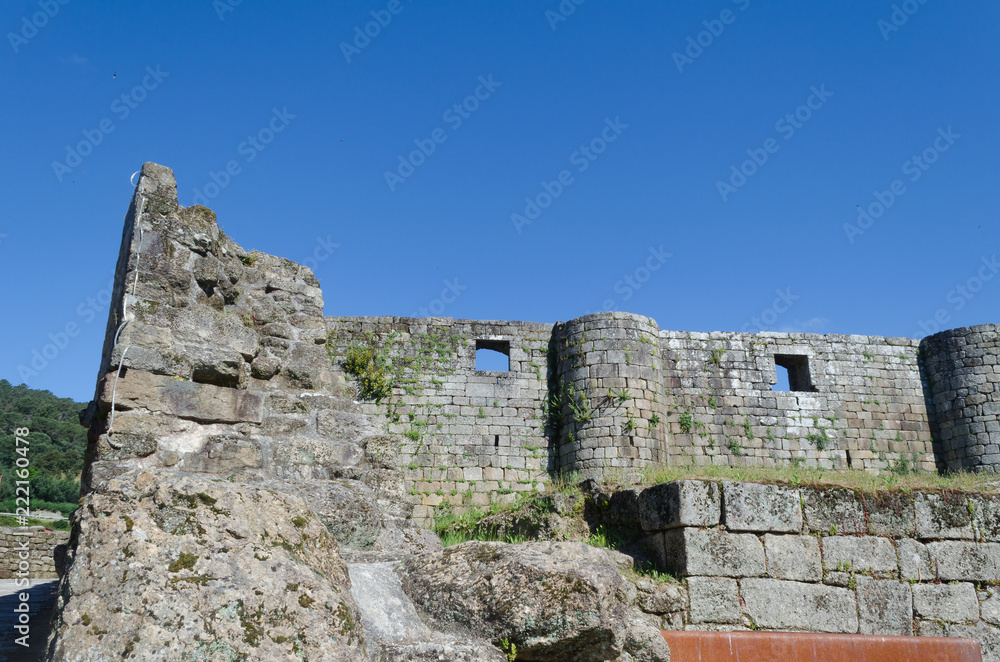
(651, 198)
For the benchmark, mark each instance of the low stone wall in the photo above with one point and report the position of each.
(768, 557)
(47, 551)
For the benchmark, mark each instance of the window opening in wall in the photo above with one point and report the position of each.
(493, 355)
(496, 441)
(782, 373)
(792, 372)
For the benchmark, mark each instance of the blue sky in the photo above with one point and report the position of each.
(618, 130)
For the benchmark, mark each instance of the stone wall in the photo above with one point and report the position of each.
(466, 435)
(963, 375)
(611, 394)
(857, 401)
(771, 557)
(47, 550)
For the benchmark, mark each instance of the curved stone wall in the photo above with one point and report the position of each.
(610, 396)
(962, 370)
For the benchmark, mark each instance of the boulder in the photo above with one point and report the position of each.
(167, 564)
(553, 601)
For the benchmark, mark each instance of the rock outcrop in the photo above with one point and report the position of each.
(552, 601)
(174, 566)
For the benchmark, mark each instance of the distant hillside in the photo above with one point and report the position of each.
(56, 448)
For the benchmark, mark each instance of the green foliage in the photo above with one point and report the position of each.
(368, 365)
(250, 259)
(686, 421)
(56, 446)
(820, 439)
(654, 421)
(619, 396)
(717, 355)
(509, 649)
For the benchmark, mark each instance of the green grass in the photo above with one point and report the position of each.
(55, 525)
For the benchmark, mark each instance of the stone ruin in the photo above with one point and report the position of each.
(245, 500)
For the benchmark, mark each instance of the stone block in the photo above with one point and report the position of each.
(990, 607)
(832, 511)
(914, 560)
(885, 606)
(754, 507)
(686, 552)
(793, 557)
(680, 503)
(966, 561)
(890, 514)
(986, 516)
(774, 604)
(955, 603)
(939, 516)
(657, 598)
(714, 600)
(200, 402)
(861, 554)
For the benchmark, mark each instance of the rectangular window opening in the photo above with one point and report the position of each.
(493, 355)
(792, 373)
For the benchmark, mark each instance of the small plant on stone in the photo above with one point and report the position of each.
(654, 421)
(509, 649)
(251, 259)
(368, 365)
(619, 396)
(686, 421)
(717, 355)
(629, 424)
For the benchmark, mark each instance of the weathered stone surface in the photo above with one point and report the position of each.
(946, 602)
(890, 514)
(660, 598)
(793, 557)
(754, 507)
(778, 605)
(986, 517)
(832, 511)
(714, 600)
(885, 606)
(942, 516)
(710, 552)
(915, 562)
(680, 503)
(990, 608)
(167, 564)
(860, 554)
(642, 639)
(199, 402)
(966, 561)
(393, 629)
(555, 601)
(346, 507)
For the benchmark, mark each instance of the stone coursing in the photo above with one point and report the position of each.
(963, 377)
(47, 550)
(860, 403)
(828, 560)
